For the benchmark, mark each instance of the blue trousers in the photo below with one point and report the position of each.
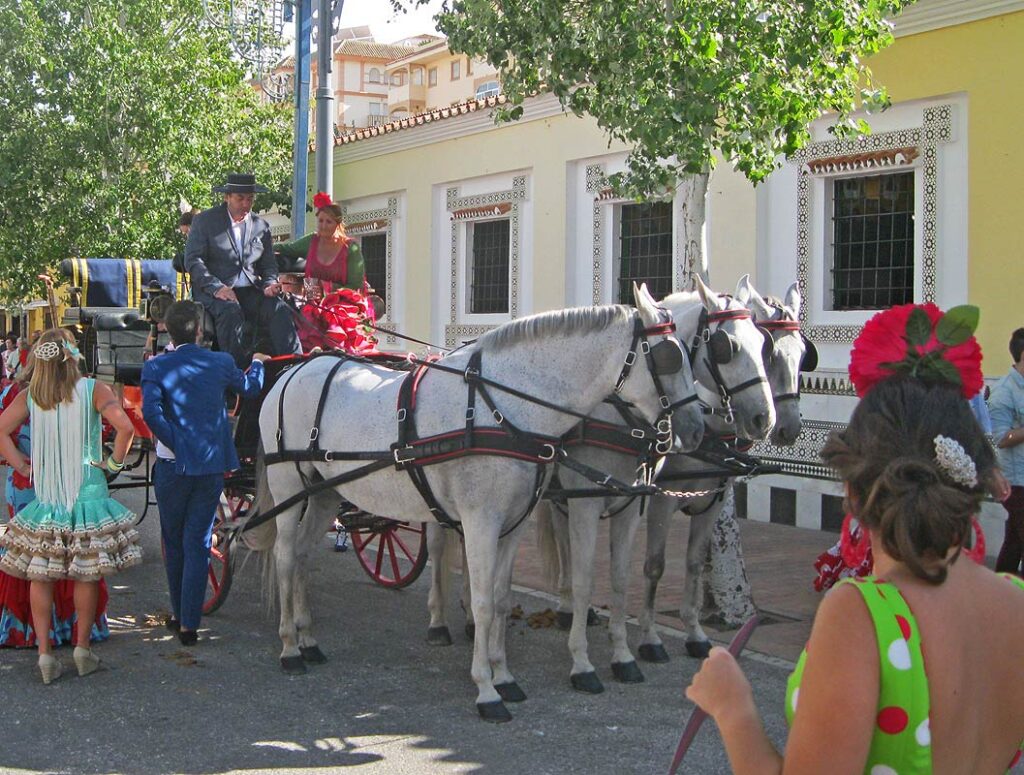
(188, 505)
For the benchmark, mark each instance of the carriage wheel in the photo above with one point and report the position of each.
(231, 508)
(393, 555)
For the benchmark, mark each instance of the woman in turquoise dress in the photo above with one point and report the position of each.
(915, 669)
(72, 530)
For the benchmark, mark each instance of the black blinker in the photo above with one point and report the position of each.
(768, 348)
(810, 360)
(722, 347)
(667, 357)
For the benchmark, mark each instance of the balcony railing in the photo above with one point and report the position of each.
(374, 120)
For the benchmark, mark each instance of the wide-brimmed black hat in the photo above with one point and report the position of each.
(241, 184)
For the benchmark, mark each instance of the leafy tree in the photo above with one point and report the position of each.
(110, 113)
(679, 80)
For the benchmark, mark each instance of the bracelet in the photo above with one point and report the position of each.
(113, 466)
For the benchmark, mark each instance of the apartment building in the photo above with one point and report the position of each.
(431, 77)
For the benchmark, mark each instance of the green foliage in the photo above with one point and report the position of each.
(958, 324)
(678, 80)
(919, 328)
(111, 112)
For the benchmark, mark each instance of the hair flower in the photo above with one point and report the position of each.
(46, 351)
(322, 199)
(954, 462)
(919, 340)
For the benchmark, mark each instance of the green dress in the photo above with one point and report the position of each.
(901, 743)
(73, 529)
(355, 268)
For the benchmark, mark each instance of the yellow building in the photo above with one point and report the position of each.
(466, 225)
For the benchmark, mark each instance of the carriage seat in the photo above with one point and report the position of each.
(122, 320)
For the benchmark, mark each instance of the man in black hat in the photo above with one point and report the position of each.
(229, 255)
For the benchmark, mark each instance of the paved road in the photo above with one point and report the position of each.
(384, 703)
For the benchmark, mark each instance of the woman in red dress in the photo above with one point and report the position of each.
(336, 309)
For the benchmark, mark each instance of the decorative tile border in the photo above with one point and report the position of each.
(385, 216)
(936, 128)
(803, 458)
(513, 197)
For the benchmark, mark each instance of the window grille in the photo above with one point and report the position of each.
(375, 260)
(456, 70)
(432, 76)
(873, 241)
(645, 249)
(489, 272)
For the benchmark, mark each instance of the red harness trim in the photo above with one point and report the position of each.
(780, 325)
(660, 328)
(729, 314)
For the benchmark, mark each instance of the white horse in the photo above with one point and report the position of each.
(568, 541)
(788, 352)
(726, 352)
(553, 367)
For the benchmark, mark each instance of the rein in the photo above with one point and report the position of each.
(785, 326)
(703, 339)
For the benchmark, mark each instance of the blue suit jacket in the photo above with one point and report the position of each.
(183, 404)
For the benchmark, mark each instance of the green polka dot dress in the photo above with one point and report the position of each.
(902, 741)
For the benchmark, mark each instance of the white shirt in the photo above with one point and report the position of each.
(239, 233)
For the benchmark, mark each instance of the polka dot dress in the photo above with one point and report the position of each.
(901, 744)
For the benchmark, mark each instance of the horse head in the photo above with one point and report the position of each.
(787, 352)
(673, 400)
(725, 349)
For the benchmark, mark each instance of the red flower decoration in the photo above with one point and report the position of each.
(893, 342)
(322, 200)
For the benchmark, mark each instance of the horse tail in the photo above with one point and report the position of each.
(547, 543)
(261, 537)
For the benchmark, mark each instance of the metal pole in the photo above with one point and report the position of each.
(325, 98)
(303, 30)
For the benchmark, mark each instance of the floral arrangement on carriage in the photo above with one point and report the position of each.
(343, 319)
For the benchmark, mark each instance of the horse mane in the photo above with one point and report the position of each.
(575, 320)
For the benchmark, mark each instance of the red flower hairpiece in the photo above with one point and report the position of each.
(322, 199)
(919, 340)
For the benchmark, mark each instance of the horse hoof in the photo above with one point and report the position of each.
(698, 649)
(510, 692)
(312, 655)
(653, 652)
(293, 665)
(592, 618)
(563, 620)
(470, 630)
(439, 636)
(588, 683)
(627, 672)
(495, 712)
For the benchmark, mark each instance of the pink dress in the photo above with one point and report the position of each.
(338, 320)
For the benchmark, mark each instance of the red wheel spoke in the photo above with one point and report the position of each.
(394, 559)
(380, 558)
(214, 581)
(403, 547)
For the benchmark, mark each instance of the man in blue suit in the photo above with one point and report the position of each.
(183, 404)
(229, 256)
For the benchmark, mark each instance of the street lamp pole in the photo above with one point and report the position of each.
(300, 159)
(325, 96)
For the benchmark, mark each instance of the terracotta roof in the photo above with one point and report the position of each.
(438, 114)
(363, 48)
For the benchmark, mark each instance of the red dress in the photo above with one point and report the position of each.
(338, 320)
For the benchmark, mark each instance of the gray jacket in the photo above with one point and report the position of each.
(212, 259)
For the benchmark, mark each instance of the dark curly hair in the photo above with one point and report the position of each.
(886, 456)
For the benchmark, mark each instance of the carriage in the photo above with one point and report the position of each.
(114, 306)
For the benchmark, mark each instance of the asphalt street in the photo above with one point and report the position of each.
(385, 702)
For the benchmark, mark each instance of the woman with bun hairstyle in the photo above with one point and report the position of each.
(335, 283)
(73, 529)
(917, 668)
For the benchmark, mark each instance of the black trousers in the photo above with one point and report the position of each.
(262, 313)
(1012, 551)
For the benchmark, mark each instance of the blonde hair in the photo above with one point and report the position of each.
(53, 381)
(334, 211)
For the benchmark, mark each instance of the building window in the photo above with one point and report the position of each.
(487, 89)
(432, 76)
(375, 258)
(377, 108)
(872, 241)
(645, 249)
(373, 76)
(489, 267)
(456, 69)
(469, 66)
(417, 76)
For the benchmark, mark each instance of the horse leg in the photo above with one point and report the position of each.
(583, 519)
(284, 561)
(481, 541)
(467, 596)
(504, 683)
(659, 513)
(560, 528)
(440, 586)
(312, 529)
(621, 535)
(701, 527)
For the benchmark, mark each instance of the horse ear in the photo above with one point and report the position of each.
(743, 290)
(792, 299)
(643, 299)
(707, 296)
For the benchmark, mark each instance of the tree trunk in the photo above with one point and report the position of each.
(728, 600)
(727, 595)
